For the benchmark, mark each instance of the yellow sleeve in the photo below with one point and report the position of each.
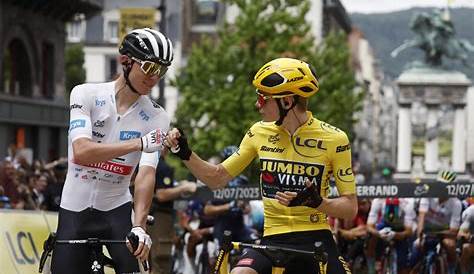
(238, 161)
(342, 165)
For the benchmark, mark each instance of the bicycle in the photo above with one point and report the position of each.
(459, 248)
(98, 259)
(389, 261)
(277, 255)
(354, 252)
(435, 258)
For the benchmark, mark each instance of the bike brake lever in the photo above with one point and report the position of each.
(133, 239)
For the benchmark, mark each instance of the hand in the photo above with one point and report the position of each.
(143, 246)
(153, 140)
(189, 187)
(309, 196)
(178, 143)
(385, 233)
(285, 198)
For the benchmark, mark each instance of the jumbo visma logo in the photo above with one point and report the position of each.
(277, 175)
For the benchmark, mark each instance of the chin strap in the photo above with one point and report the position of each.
(126, 71)
(283, 111)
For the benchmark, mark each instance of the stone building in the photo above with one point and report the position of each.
(33, 111)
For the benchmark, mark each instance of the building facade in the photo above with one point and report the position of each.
(33, 110)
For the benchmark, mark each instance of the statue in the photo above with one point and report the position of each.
(436, 37)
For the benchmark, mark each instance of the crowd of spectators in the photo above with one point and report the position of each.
(35, 186)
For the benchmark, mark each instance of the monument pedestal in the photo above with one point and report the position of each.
(423, 92)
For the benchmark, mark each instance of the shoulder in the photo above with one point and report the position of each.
(152, 110)
(257, 129)
(89, 90)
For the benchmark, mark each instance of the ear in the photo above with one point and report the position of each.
(287, 102)
(124, 60)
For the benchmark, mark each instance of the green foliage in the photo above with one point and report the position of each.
(74, 62)
(217, 103)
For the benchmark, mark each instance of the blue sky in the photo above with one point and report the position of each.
(380, 6)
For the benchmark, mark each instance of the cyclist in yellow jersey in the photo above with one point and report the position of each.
(298, 155)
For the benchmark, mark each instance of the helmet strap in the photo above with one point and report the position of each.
(283, 111)
(126, 71)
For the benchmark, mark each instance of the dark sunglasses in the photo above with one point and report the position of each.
(151, 68)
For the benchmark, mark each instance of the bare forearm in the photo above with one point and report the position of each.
(216, 210)
(344, 207)
(89, 152)
(214, 176)
(168, 194)
(403, 234)
(144, 184)
(371, 229)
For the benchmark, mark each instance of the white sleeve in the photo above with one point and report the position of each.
(424, 205)
(149, 159)
(410, 215)
(375, 209)
(80, 111)
(456, 209)
(467, 218)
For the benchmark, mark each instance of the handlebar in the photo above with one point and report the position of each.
(49, 244)
(318, 253)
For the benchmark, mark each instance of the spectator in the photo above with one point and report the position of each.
(52, 193)
(162, 235)
(7, 181)
(4, 200)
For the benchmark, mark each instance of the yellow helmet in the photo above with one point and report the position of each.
(287, 76)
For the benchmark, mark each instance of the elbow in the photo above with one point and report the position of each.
(80, 157)
(351, 214)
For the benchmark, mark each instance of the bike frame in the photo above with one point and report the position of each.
(222, 263)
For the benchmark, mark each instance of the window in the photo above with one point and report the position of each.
(112, 32)
(111, 68)
(205, 12)
(76, 29)
(47, 81)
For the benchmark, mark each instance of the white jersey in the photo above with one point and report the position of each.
(105, 186)
(406, 212)
(468, 219)
(441, 216)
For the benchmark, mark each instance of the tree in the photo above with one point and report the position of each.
(217, 103)
(75, 72)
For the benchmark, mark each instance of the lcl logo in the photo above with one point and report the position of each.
(19, 246)
(314, 143)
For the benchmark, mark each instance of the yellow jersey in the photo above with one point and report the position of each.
(316, 151)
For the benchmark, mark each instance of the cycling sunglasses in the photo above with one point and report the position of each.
(151, 68)
(262, 98)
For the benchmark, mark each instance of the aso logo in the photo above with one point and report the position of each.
(127, 135)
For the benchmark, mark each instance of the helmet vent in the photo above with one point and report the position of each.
(314, 83)
(313, 71)
(306, 89)
(301, 70)
(272, 80)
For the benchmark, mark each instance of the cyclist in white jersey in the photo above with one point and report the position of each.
(390, 219)
(441, 215)
(113, 128)
(466, 231)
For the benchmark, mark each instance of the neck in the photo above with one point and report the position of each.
(124, 96)
(294, 120)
